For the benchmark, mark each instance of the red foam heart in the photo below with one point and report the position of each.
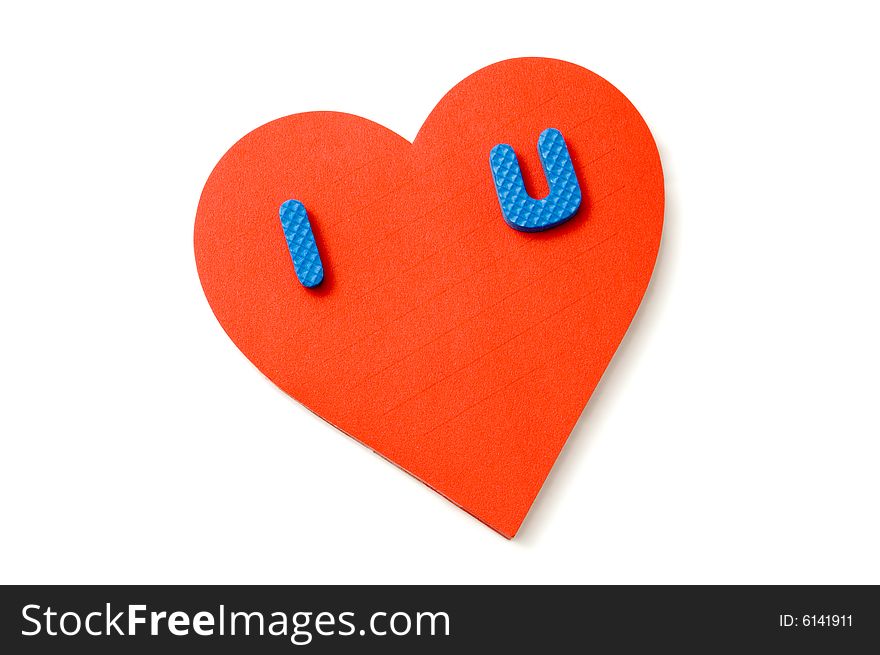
(460, 349)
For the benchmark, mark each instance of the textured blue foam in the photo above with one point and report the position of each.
(301, 243)
(520, 210)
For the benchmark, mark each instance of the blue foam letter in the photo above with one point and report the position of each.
(301, 243)
(520, 210)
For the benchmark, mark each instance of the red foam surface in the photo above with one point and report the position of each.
(458, 348)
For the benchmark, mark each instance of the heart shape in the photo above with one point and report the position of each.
(458, 348)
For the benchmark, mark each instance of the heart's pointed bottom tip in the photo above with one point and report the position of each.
(507, 530)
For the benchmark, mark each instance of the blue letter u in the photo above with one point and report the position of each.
(520, 210)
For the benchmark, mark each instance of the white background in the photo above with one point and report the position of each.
(733, 439)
